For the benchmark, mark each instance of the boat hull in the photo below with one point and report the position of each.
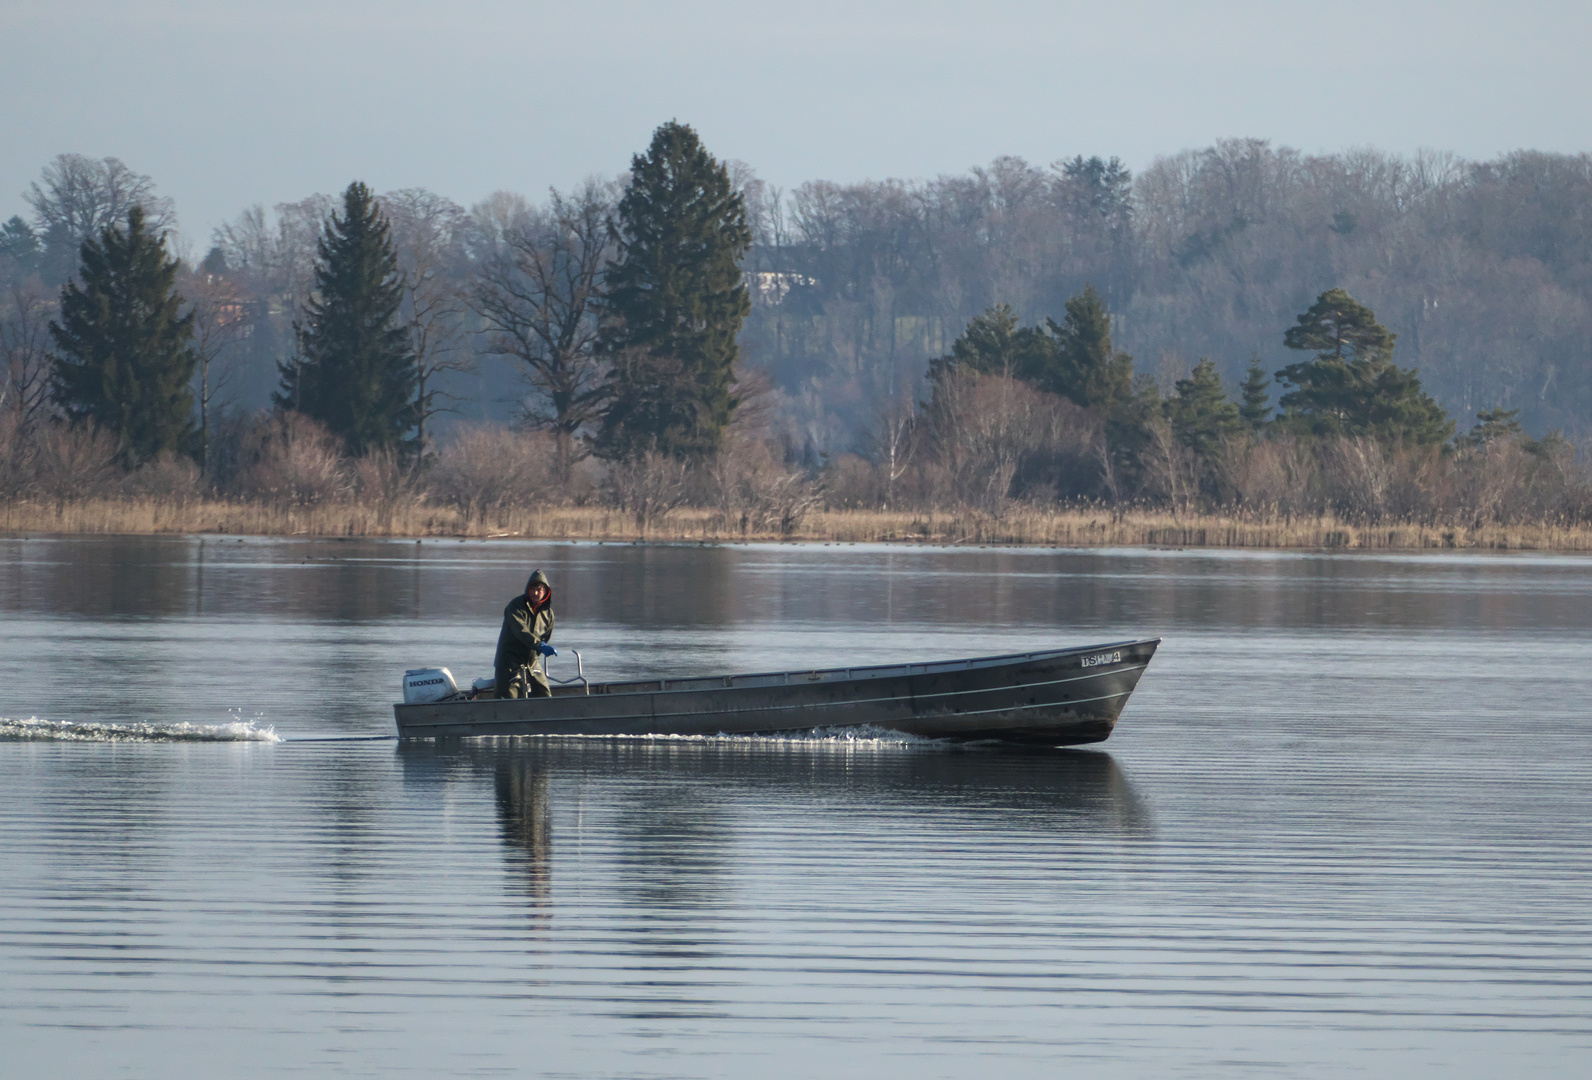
(1059, 697)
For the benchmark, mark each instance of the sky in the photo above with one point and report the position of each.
(229, 103)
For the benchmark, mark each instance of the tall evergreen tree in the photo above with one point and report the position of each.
(124, 350)
(675, 301)
(993, 344)
(1199, 411)
(20, 244)
(1351, 386)
(1084, 366)
(1254, 403)
(354, 371)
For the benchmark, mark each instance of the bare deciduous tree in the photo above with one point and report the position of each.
(78, 197)
(426, 230)
(299, 226)
(1169, 467)
(24, 352)
(247, 243)
(647, 486)
(74, 461)
(291, 458)
(486, 469)
(892, 439)
(493, 218)
(537, 295)
(986, 430)
(220, 321)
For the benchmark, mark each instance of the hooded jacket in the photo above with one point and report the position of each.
(524, 628)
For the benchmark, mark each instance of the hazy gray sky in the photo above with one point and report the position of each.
(229, 103)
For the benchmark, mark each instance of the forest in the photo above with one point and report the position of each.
(1018, 336)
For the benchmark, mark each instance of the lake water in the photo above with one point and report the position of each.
(1344, 826)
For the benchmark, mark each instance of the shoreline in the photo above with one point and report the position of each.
(1024, 527)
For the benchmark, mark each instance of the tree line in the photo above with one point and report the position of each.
(625, 317)
(968, 341)
(1482, 268)
(1053, 410)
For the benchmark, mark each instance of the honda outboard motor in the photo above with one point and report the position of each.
(422, 686)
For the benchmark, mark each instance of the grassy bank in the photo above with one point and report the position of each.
(1061, 528)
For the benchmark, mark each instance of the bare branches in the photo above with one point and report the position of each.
(647, 486)
(24, 354)
(426, 233)
(537, 295)
(220, 321)
(80, 197)
(486, 469)
(892, 439)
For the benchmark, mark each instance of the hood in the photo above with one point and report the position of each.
(539, 578)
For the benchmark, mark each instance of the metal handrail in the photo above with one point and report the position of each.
(579, 676)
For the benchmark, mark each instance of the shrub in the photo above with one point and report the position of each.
(168, 476)
(74, 461)
(750, 485)
(998, 438)
(646, 486)
(489, 468)
(291, 458)
(386, 482)
(19, 452)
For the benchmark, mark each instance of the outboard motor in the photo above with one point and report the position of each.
(423, 686)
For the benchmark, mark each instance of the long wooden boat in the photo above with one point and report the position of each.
(1057, 697)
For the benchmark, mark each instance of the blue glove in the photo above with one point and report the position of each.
(547, 650)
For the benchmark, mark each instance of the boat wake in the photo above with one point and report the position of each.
(88, 731)
(865, 735)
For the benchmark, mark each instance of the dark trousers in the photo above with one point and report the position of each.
(522, 681)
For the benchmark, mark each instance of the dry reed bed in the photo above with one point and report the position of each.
(1062, 528)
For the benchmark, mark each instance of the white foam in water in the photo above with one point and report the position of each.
(863, 734)
(89, 731)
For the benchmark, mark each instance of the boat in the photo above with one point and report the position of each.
(1055, 697)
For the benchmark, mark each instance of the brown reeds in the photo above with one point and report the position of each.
(145, 515)
(284, 476)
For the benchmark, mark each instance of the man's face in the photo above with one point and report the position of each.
(537, 594)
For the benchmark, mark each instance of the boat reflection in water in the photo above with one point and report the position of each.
(667, 814)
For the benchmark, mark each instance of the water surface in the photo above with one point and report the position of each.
(1341, 828)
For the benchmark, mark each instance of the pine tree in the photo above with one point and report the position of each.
(1495, 424)
(993, 344)
(1200, 414)
(1352, 386)
(1083, 366)
(124, 350)
(675, 301)
(20, 244)
(1254, 405)
(354, 371)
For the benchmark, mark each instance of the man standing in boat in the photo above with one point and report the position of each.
(523, 641)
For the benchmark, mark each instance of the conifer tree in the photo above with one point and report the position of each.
(993, 344)
(1254, 405)
(1084, 366)
(19, 244)
(1199, 411)
(354, 371)
(1351, 386)
(675, 301)
(124, 350)
(1494, 424)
